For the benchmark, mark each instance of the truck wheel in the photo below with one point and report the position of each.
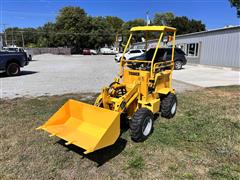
(168, 106)
(13, 69)
(141, 124)
(178, 65)
(30, 58)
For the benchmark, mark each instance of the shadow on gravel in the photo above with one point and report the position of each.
(100, 156)
(23, 73)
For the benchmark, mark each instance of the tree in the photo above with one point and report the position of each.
(115, 22)
(13, 36)
(72, 26)
(128, 25)
(136, 22)
(236, 3)
(17, 35)
(181, 23)
(184, 25)
(163, 18)
(196, 26)
(100, 33)
(47, 35)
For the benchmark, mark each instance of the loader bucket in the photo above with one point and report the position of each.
(84, 125)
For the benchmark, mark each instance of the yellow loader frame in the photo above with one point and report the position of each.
(137, 93)
(137, 82)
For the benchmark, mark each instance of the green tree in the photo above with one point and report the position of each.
(47, 35)
(115, 22)
(128, 25)
(30, 36)
(136, 22)
(13, 37)
(72, 26)
(184, 25)
(100, 33)
(196, 26)
(20, 35)
(236, 3)
(163, 18)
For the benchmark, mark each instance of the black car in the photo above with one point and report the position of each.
(164, 54)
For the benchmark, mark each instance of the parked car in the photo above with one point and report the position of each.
(129, 54)
(93, 52)
(108, 51)
(20, 49)
(11, 62)
(164, 54)
(87, 51)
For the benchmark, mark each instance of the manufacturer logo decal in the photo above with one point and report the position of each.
(134, 73)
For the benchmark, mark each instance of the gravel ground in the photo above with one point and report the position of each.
(57, 74)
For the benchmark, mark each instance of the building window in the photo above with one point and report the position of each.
(191, 49)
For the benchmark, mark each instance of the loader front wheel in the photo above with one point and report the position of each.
(168, 106)
(141, 124)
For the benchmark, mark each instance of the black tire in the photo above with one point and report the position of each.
(13, 69)
(168, 106)
(141, 124)
(29, 58)
(178, 65)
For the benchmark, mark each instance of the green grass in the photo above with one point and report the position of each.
(136, 162)
(201, 142)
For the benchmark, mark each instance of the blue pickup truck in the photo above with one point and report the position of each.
(11, 62)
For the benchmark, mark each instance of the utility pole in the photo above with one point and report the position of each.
(12, 36)
(148, 21)
(23, 44)
(5, 34)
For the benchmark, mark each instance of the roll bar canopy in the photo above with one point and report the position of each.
(153, 28)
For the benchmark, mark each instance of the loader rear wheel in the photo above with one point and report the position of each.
(141, 124)
(168, 106)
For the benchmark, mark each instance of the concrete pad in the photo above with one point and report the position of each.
(206, 76)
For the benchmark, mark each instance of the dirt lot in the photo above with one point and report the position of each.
(56, 74)
(200, 142)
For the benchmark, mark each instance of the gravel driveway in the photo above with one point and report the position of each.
(57, 74)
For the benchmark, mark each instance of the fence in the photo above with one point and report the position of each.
(62, 51)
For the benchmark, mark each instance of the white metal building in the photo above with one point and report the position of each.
(219, 47)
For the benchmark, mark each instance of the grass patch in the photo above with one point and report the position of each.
(201, 142)
(136, 162)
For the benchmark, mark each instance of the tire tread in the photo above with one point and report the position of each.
(166, 105)
(136, 124)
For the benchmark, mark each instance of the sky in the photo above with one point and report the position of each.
(34, 13)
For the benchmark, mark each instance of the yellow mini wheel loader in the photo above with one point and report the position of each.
(143, 88)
